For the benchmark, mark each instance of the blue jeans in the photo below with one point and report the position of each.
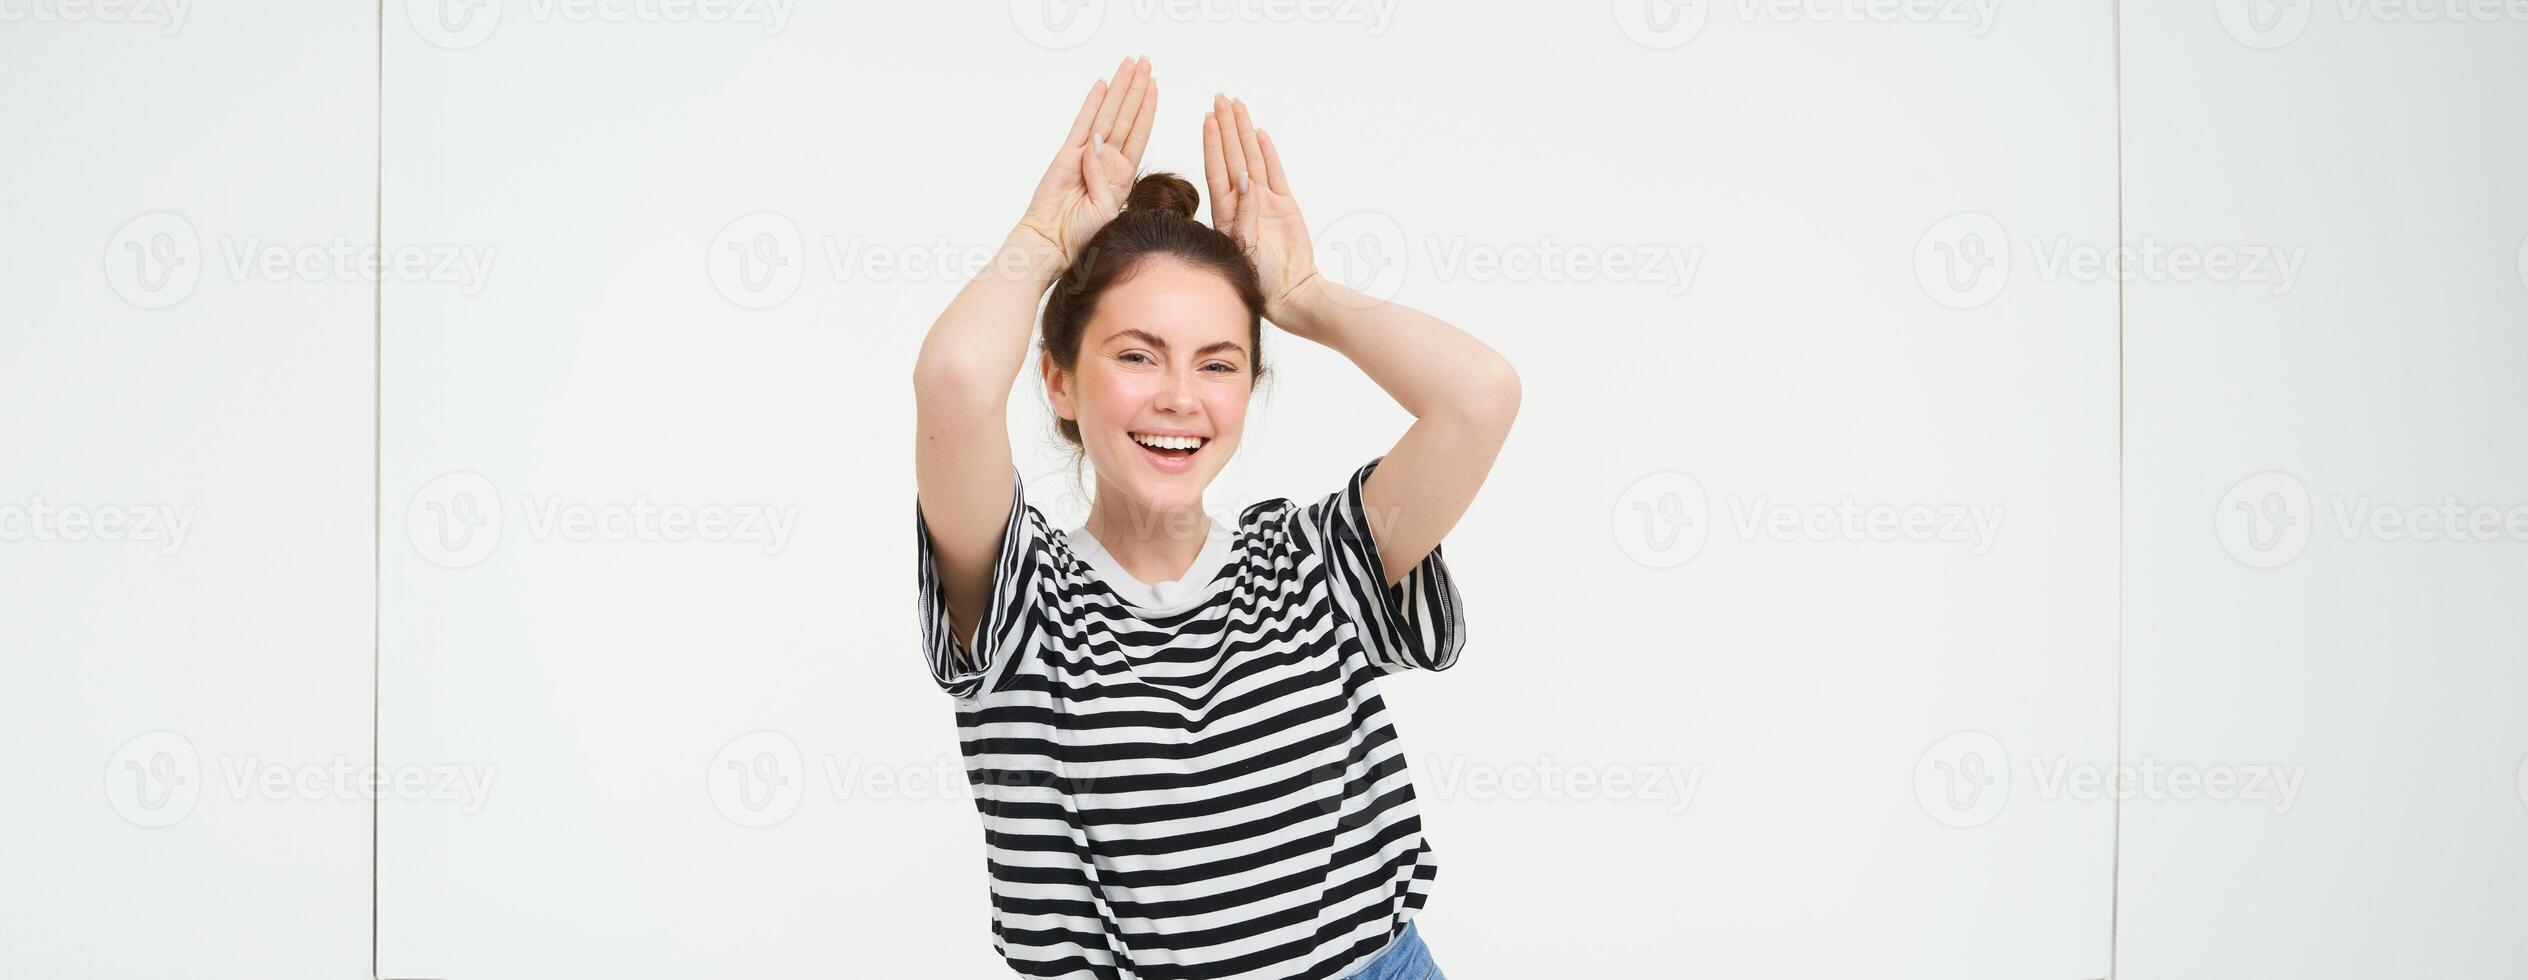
(1404, 959)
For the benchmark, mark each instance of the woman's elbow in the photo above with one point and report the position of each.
(945, 381)
(1494, 399)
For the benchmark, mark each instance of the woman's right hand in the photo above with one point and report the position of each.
(1093, 172)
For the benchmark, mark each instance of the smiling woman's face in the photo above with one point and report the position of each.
(1165, 359)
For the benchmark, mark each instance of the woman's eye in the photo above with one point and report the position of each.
(1219, 366)
(1136, 357)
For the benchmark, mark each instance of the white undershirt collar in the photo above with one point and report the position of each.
(1158, 597)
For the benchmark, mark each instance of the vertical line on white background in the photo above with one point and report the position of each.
(377, 478)
(2115, 849)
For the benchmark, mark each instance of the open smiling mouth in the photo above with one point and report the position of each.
(1171, 453)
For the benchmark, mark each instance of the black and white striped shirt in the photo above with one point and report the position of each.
(1210, 792)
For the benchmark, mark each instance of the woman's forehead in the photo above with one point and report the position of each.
(1167, 305)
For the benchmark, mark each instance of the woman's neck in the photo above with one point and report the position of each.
(1152, 544)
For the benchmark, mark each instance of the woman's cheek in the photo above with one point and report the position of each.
(1125, 396)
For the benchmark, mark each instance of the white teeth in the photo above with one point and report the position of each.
(1169, 442)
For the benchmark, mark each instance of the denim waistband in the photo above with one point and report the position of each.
(1405, 958)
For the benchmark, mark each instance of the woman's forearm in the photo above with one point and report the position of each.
(1429, 367)
(978, 346)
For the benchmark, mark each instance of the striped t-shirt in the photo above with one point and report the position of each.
(1213, 791)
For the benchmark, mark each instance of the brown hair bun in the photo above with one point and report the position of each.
(1163, 191)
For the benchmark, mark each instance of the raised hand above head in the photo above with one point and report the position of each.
(1084, 187)
(1251, 200)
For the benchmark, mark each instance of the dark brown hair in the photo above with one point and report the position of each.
(1157, 219)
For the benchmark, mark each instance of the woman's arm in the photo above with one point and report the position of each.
(1463, 395)
(961, 383)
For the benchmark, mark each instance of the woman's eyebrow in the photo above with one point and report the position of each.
(1153, 340)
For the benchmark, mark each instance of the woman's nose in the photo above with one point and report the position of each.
(1178, 394)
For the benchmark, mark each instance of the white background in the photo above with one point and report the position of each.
(1852, 750)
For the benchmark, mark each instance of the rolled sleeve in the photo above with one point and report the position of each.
(970, 669)
(1417, 623)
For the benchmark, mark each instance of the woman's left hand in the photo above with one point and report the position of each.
(1250, 199)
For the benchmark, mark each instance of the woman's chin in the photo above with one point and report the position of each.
(1170, 492)
(1167, 491)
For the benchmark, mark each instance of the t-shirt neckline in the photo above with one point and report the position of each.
(1158, 598)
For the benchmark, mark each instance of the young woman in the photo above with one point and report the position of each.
(1173, 727)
